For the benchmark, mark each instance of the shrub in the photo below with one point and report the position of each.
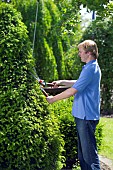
(99, 135)
(30, 138)
(68, 130)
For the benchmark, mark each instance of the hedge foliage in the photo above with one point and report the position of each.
(29, 132)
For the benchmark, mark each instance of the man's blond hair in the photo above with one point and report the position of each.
(90, 46)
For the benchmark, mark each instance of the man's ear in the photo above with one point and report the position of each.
(89, 53)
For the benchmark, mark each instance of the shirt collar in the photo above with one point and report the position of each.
(90, 62)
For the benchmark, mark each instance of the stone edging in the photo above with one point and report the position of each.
(107, 162)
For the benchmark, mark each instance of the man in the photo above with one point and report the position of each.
(86, 104)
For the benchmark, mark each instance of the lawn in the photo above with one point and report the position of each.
(107, 142)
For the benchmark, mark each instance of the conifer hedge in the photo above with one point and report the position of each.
(29, 132)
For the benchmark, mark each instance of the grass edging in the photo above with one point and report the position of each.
(107, 141)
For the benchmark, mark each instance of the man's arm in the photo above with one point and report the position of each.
(65, 94)
(67, 83)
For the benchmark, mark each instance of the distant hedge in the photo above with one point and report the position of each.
(30, 138)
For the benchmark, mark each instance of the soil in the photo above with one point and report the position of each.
(105, 163)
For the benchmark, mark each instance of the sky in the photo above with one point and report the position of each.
(86, 16)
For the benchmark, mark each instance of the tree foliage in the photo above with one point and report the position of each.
(28, 130)
(89, 4)
(57, 30)
(43, 54)
(96, 5)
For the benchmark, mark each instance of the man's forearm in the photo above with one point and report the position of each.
(65, 94)
(68, 83)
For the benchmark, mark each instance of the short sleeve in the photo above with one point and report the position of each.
(84, 80)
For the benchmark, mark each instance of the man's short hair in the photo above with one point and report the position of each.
(90, 46)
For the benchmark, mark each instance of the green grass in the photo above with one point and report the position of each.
(107, 141)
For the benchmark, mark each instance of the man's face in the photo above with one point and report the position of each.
(83, 55)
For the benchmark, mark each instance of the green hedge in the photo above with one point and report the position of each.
(30, 138)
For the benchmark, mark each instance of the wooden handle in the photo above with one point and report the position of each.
(44, 92)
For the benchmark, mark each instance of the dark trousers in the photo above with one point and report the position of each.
(87, 150)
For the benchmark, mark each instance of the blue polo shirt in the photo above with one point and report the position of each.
(86, 104)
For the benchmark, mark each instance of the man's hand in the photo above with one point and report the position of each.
(65, 94)
(57, 83)
(50, 99)
(67, 83)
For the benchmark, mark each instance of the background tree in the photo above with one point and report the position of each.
(71, 33)
(58, 28)
(43, 54)
(56, 32)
